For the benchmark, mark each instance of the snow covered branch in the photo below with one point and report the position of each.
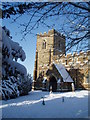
(15, 80)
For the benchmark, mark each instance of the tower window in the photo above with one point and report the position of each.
(66, 62)
(59, 45)
(44, 45)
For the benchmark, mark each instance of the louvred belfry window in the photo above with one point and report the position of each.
(44, 45)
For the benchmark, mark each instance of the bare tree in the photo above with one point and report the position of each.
(76, 28)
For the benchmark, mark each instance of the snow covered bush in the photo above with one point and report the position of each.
(24, 85)
(15, 81)
(9, 88)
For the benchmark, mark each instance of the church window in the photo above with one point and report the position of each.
(44, 45)
(59, 45)
(66, 62)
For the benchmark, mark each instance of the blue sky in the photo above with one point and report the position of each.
(29, 45)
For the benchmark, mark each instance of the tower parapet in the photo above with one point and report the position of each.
(50, 33)
(75, 58)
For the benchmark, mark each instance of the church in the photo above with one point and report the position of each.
(56, 71)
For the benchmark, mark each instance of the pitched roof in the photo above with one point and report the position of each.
(65, 75)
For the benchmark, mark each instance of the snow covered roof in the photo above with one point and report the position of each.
(44, 80)
(59, 80)
(61, 69)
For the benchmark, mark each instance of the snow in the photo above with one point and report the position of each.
(75, 105)
(11, 45)
(57, 50)
(78, 62)
(59, 81)
(11, 52)
(9, 88)
(14, 51)
(17, 65)
(61, 69)
(44, 80)
(86, 61)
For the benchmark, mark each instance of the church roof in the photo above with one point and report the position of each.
(65, 75)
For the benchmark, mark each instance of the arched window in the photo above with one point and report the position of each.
(66, 61)
(44, 45)
(59, 45)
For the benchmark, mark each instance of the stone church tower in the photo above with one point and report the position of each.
(49, 46)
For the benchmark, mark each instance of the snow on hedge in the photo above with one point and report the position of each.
(9, 88)
(15, 80)
(14, 51)
(11, 45)
(17, 65)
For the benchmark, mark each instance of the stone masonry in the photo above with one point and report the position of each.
(51, 48)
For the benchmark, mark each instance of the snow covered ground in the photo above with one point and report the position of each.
(75, 105)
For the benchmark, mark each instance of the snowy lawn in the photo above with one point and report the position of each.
(75, 105)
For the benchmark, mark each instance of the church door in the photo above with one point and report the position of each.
(53, 83)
